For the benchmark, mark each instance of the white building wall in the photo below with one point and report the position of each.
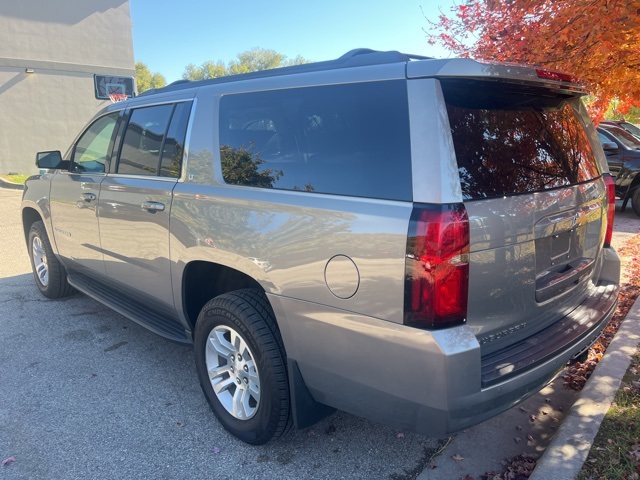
(64, 42)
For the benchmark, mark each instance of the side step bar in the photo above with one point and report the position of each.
(159, 323)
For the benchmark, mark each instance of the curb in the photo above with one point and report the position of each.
(564, 457)
(11, 185)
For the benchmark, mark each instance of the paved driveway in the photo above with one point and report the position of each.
(87, 394)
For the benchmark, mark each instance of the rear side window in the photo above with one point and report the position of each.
(173, 148)
(153, 142)
(340, 139)
(509, 140)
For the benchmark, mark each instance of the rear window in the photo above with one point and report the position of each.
(339, 139)
(509, 140)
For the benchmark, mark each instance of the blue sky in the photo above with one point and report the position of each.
(167, 36)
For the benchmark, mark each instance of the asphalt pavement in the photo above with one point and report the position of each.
(86, 393)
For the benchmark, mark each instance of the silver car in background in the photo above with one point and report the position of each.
(420, 242)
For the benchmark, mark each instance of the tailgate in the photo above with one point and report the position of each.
(530, 269)
(536, 201)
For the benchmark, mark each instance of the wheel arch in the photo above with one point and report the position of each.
(29, 217)
(203, 280)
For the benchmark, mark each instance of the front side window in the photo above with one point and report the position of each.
(94, 146)
(339, 139)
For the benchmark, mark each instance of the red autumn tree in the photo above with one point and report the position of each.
(596, 40)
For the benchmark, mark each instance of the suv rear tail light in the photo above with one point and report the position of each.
(611, 208)
(437, 266)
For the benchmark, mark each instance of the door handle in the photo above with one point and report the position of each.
(153, 206)
(88, 197)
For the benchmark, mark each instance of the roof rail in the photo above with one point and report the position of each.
(358, 57)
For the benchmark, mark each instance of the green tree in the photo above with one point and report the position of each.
(146, 80)
(206, 70)
(614, 113)
(250, 61)
(241, 166)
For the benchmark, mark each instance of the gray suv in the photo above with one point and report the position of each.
(420, 242)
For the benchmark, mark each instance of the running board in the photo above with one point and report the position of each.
(158, 323)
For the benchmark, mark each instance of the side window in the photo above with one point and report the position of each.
(173, 149)
(94, 146)
(153, 142)
(339, 139)
(143, 139)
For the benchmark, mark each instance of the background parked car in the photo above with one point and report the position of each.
(629, 127)
(623, 156)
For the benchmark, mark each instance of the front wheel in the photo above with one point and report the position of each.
(49, 274)
(241, 366)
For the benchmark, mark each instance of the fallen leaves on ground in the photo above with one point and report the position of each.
(516, 468)
(577, 375)
(520, 467)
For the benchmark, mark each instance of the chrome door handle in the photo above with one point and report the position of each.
(153, 206)
(88, 197)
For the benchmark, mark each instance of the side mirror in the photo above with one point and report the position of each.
(609, 147)
(51, 159)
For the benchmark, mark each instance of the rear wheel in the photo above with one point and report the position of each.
(49, 274)
(241, 366)
(635, 201)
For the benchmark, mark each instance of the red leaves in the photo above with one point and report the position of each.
(598, 41)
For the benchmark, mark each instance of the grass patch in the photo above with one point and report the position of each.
(615, 453)
(15, 178)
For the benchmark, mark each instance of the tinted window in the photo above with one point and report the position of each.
(143, 139)
(173, 148)
(624, 137)
(509, 140)
(93, 148)
(603, 138)
(343, 139)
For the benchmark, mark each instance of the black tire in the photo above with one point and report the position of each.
(54, 284)
(635, 201)
(247, 314)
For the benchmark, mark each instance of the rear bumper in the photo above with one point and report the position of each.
(429, 382)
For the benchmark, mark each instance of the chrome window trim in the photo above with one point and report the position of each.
(155, 104)
(142, 177)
